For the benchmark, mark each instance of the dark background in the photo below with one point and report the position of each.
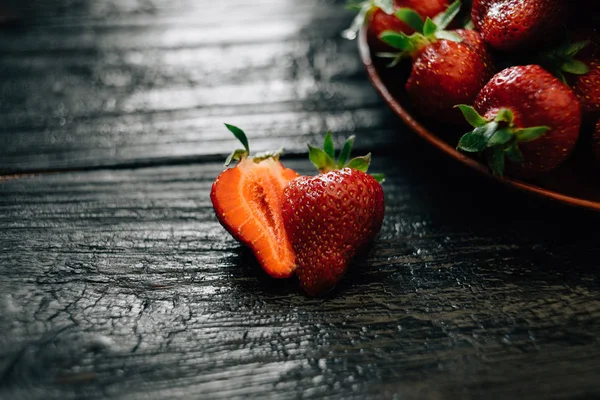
(116, 280)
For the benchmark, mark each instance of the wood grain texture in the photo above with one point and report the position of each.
(122, 284)
(104, 85)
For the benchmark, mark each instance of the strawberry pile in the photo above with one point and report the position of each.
(313, 226)
(525, 75)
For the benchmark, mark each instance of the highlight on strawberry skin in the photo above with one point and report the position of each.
(247, 200)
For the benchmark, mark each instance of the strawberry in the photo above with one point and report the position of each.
(448, 67)
(247, 200)
(510, 25)
(331, 217)
(379, 16)
(526, 114)
(596, 141)
(587, 89)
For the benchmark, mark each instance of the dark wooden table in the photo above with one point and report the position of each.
(116, 280)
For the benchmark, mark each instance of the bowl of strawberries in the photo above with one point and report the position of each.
(508, 88)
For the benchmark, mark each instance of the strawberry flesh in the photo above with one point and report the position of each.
(247, 200)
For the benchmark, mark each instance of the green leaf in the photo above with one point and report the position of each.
(448, 35)
(471, 115)
(360, 163)
(429, 27)
(529, 134)
(473, 142)
(240, 135)
(500, 137)
(496, 160)
(320, 159)
(411, 18)
(514, 153)
(237, 155)
(354, 5)
(561, 77)
(345, 152)
(469, 24)
(504, 115)
(576, 47)
(378, 177)
(328, 145)
(397, 40)
(575, 67)
(443, 19)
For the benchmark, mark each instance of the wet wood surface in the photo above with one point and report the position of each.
(117, 281)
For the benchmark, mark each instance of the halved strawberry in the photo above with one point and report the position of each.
(247, 200)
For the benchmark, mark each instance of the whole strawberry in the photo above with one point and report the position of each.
(510, 25)
(331, 217)
(247, 201)
(448, 67)
(525, 114)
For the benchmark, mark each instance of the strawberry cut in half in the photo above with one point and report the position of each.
(333, 216)
(247, 200)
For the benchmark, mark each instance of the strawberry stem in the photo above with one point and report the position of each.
(324, 159)
(363, 9)
(426, 31)
(562, 59)
(240, 154)
(497, 139)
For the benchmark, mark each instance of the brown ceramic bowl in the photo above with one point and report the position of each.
(576, 183)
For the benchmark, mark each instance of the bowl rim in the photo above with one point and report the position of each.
(411, 122)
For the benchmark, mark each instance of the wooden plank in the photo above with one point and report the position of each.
(121, 283)
(87, 88)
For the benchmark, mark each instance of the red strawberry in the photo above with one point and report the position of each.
(587, 89)
(526, 114)
(331, 217)
(474, 39)
(247, 200)
(596, 141)
(379, 16)
(449, 67)
(509, 25)
(577, 63)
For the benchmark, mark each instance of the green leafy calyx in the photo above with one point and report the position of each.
(325, 158)
(562, 59)
(426, 32)
(241, 154)
(363, 9)
(496, 139)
